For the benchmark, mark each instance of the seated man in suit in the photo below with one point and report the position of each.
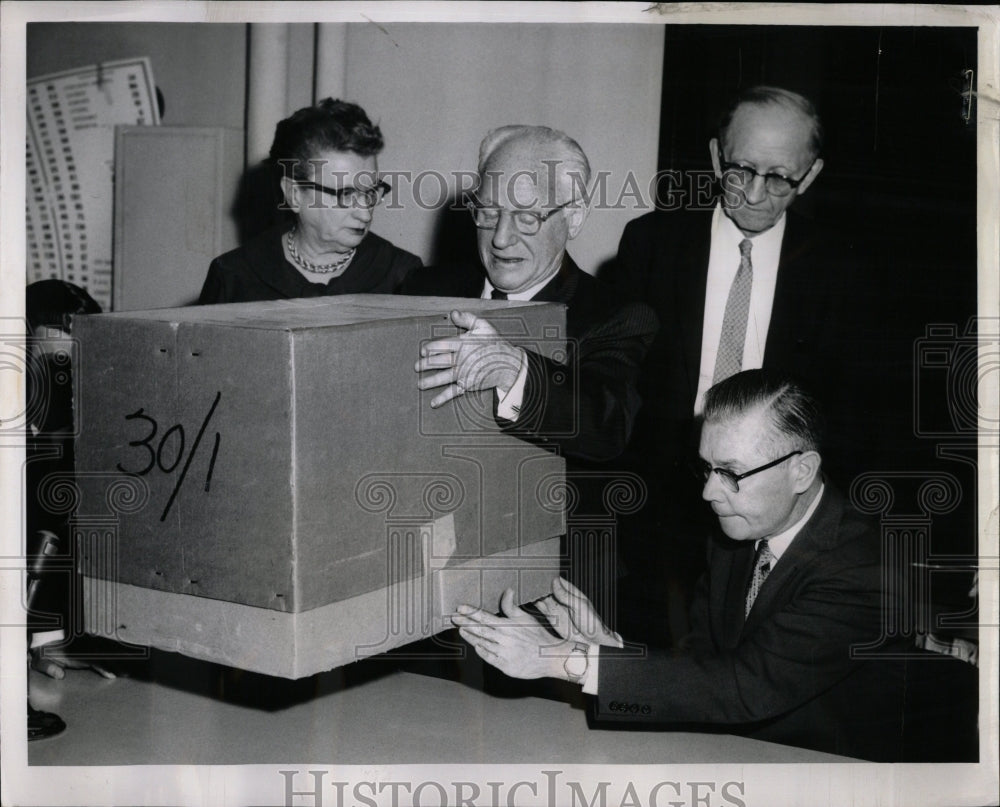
(526, 209)
(795, 581)
(526, 212)
(742, 284)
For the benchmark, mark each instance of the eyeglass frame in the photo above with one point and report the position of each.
(541, 218)
(728, 167)
(380, 189)
(703, 470)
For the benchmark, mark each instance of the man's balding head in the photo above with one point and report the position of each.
(529, 178)
(769, 135)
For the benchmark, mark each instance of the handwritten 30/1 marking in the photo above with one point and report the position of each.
(171, 445)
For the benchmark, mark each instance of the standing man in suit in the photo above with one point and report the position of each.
(526, 209)
(743, 284)
(794, 582)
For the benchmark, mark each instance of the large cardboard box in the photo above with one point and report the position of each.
(263, 484)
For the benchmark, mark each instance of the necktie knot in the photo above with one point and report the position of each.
(745, 246)
(496, 294)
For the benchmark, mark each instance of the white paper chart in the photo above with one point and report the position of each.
(70, 167)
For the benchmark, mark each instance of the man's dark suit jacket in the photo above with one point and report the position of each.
(786, 674)
(819, 331)
(587, 406)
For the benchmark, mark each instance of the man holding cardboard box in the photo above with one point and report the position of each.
(527, 207)
(791, 638)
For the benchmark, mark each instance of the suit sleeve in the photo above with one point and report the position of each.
(627, 273)
(800, 651)
(586, 405)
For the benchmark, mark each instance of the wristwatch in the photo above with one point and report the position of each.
(576, 662)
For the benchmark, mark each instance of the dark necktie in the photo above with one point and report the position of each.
(761, 569)
(729, 359)
(496, 294)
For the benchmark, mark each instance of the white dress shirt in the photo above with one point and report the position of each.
(509, 401)
(780, 542)
(723, 263)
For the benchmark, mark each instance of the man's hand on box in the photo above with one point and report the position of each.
(477, 358)
(573, 616)
(515, 643)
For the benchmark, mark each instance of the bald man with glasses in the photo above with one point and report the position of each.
(526, 210)
(795, 584)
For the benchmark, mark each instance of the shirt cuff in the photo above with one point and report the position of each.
(590, 677)
(509, 402)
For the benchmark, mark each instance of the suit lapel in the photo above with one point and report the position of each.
(814, 538)
(690, 288)
(795, 274)
(736, 592)
(562, 286)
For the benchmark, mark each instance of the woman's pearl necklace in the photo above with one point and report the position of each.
(309, 266)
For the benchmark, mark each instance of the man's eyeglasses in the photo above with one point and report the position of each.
(743, 175)
(527, 222)
(351, 197)
(732, 481)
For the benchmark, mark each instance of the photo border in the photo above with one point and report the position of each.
(771, 785)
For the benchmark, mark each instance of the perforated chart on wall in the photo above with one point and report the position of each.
(70, 167)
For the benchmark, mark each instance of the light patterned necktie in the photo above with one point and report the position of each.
(729, 359)
(761, 569)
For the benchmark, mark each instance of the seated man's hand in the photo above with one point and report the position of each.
(478, 359)
(513, 643)
(573, 617)
(53, 662)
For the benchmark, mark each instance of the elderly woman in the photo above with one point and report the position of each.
(325, 160)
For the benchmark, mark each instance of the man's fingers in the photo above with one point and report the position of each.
(50, 668)
(435, 361)
(569, 595)
(561, 583)
(449, 344)
(439, 379)
(556, 615)
(478, 636)
(464, 319)
(508, 607)
(450, 392)
(469, 615)
(101, 671)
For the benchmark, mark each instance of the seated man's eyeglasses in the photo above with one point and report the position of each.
(350, 197)
(527, 222)
(703, 471)
(743, 175)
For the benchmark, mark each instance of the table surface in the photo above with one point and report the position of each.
(173, 710)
